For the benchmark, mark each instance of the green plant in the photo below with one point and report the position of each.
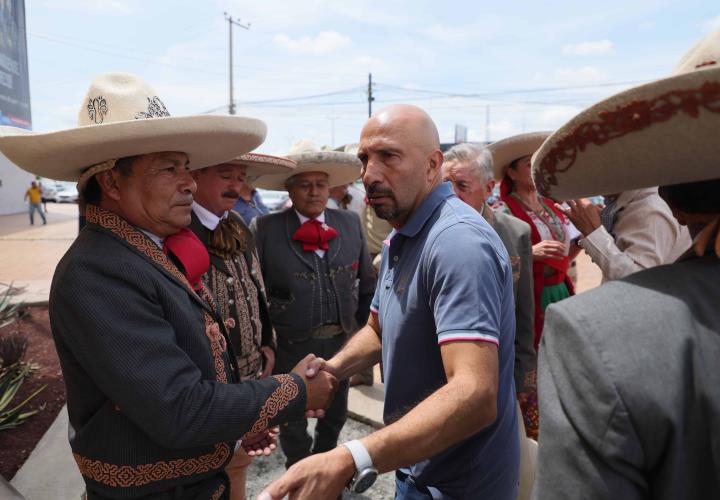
(12, 349)
(11, 379)
(8, 310)
(13, 370)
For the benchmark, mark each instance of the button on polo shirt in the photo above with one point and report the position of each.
(445, 276)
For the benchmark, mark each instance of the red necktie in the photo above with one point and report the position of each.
(191, 253)
(314, 235)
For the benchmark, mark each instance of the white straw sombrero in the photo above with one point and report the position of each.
(123, 116)
(342, 168)
(507, 150)
(257, 164)
(660, 133)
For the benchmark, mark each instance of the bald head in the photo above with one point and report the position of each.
(400, 151)
(410, 120)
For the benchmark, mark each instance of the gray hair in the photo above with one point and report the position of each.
(478, 158)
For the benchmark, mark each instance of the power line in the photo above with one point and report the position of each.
(511, 92)
(126, 56)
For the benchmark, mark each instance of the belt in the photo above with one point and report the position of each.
(327, 332)
(409, 478)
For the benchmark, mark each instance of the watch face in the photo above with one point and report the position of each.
(365, 479)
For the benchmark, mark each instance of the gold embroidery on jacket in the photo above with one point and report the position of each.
(126, 476)
(277, 402)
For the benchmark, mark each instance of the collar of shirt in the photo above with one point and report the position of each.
(207, 218)
(433, 200)
(320, 218)
(156, 239)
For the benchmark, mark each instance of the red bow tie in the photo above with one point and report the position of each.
(191, 253)
(314, 235)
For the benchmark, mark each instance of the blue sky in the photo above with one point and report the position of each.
(533, 64)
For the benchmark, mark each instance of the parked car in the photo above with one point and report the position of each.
(66, 195)
(274, 200)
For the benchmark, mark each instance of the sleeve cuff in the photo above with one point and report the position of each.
(458, 335)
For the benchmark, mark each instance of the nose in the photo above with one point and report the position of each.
(371, 172)
(187, 183)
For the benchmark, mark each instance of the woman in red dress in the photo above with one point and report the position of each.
(553, 238)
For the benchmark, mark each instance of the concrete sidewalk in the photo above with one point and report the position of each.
(29, 254)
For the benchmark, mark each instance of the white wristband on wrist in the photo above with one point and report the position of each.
(360, 455)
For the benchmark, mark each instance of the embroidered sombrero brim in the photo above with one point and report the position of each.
(659, 133)
(257, 164)
(64, 154)
(507, 150)
(341, 168)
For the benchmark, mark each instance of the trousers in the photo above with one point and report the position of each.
(295, 441)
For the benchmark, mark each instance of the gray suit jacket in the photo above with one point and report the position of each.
(515, 235)
(630, 388)
(289, 272)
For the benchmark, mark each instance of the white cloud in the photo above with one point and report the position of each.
(711, 24)
(589, 48)
(324, 43)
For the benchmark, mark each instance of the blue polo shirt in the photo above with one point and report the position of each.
(248, 210)
(446, 276)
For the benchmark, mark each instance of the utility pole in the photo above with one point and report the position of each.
(370, 96)
(231, 22)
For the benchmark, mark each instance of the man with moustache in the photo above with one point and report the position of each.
(319, 279)
(469, 169)
(154, 411)
(234, 277)
(443, 321)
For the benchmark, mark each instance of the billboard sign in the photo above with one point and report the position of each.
(14, 82)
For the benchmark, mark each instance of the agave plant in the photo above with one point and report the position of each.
(8, 310)
(13, 370)
(11, 378)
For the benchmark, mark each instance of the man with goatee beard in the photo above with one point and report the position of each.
(235, 280)
(443, 323)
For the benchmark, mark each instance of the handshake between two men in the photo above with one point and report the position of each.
(320, 388)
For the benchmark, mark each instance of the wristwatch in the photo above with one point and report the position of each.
(365, 473)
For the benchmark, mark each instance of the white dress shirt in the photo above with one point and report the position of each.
(646, 235)
(206, 217)
(321, 219)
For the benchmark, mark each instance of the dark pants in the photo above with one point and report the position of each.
(295, 441)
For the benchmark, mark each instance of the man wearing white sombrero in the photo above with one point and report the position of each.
(148, 370)
(234, 276)
(318, 277)
(628, 372)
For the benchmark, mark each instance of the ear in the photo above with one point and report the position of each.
(489, 187)
(108, 181)
(435, 161)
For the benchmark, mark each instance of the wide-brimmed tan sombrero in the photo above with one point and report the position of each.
(121, 116)
(341, 168)
(258, 164)
(659, 133)
(506, 151)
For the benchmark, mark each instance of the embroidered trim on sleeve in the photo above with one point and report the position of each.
(277, 402)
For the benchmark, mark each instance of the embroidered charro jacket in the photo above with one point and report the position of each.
(300, 284)
(237, 286)
(147, 369)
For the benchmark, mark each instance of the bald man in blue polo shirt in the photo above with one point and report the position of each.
(443, 323)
